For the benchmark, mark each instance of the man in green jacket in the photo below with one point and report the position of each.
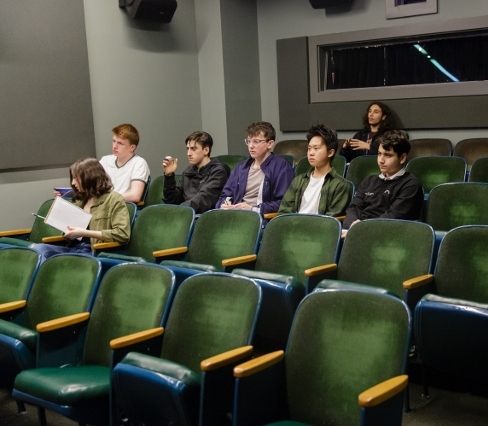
(321, 190)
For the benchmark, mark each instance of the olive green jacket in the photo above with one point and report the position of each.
(335, 195)
(111, 216)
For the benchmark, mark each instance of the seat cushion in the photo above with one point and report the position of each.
(162, 366)
(72, 386)
(288, 280)
(27, 336)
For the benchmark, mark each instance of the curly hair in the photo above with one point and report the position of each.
(387, 124)
(92, 178)
(397, 140)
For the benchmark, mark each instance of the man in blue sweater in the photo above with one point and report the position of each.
(259, 182)
(394, 193)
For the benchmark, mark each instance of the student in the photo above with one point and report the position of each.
(394, 193)
(376, 121)
(201, 182)
(129, 172)
(321, 190)
(93, 192)
(259, 182)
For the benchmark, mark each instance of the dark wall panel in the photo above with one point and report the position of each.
(297, 114)
(45, 101)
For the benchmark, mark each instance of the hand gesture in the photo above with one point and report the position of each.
(169, 165)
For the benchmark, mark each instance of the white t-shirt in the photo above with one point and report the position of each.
(135, 169)
(311, 196)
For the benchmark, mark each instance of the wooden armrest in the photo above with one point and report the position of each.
(140, 203)
(225, 358)
(105, 246)
(170, 252)
(382, 391)
(58, 323)
(53, 239)
(317, 270)
(269, 216)
(24, 231)
(340, 218)
(239, 260)
(418, 281)
(12, 306)
(134, 338)
(257, 364)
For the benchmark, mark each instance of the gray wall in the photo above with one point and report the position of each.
(170, 80)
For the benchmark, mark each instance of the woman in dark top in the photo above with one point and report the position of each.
(376, 121)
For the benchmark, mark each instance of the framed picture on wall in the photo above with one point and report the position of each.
(403, 8)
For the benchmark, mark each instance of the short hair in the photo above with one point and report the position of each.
(262, 126)
(92, 177)
(202, 138)
(387, 124)
(329, 136)
(397, 140)
(127, 131)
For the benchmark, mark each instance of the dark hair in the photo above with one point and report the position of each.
(387, 124)
(93, 179)
(262, 126)
(127, 131)
(202, 138)
(329, 136)
(396, 140)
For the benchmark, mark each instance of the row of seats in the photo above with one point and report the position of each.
(123, 363)
(470, 149)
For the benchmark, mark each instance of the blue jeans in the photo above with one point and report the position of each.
(48, 250)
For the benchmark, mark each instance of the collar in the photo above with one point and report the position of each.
(398, 174)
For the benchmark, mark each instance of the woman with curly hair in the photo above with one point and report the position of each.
(376, 121)
(93, 193)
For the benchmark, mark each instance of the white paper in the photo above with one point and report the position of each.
(63, 214)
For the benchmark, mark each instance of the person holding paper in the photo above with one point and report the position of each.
(109, 214)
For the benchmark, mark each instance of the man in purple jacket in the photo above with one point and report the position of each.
(259, 182)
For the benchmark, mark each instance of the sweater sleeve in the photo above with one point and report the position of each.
(172, 192)
(119, 223)
(208, 194)
(408, 202)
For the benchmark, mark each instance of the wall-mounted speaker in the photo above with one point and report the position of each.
(150, 10)
(323, 4)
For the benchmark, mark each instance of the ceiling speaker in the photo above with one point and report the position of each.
(150, 10)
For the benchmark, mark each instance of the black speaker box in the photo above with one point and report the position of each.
(150, 10)
(323, 4)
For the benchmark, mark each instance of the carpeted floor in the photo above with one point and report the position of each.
(451, 403)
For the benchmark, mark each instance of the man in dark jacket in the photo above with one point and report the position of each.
(394, 193)
(201, 182)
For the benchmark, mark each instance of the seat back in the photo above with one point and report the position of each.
(362, 167)
(65, 284)
(386, 252)
(471, 149)
(132, 207)
(353, 340)
(142, 202)
(295, 147)
(479, 170)
(18, 268)
(212, 313)
(293, 243)
(160, 227)
(461, 271)
(434, 170)
(429, 146)
(338, 162)
(455, 204)
(221, 234)
(132, 297)
(288, 157)
(155, 192)
(231, 160)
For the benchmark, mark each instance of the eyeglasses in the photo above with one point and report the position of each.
(254, 141)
